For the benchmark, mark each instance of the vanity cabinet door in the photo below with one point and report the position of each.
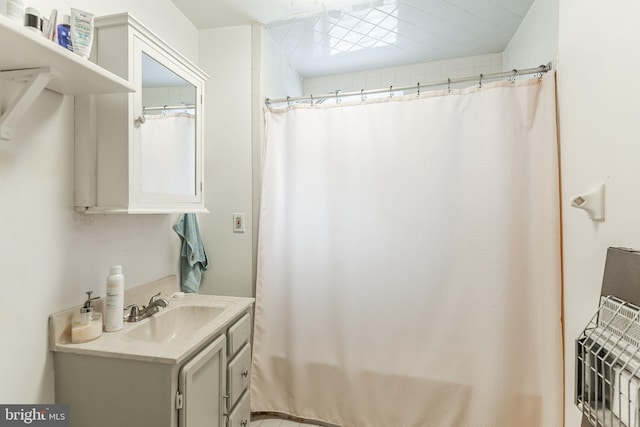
(201, 383)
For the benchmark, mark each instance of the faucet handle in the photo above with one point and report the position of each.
(134, 312)
(153, 298)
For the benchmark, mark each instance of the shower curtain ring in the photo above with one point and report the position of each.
(449, 84)
(311, 99)
(337, 98)
(390, 92)
(362, 97)
(513, 78)
(418, 90)
(288, 101)
(480, 80)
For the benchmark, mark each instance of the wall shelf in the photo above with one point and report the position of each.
(28, 57)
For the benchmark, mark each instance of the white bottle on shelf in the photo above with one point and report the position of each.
(114, 304)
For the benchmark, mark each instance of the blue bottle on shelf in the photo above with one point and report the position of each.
(64, 33)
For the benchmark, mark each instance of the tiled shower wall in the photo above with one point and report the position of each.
(406, 75)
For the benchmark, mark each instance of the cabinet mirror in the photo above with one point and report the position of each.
(168, 131)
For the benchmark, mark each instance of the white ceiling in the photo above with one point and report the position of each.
(324, 37)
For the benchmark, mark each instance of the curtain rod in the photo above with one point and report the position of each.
(168, 107)
(482, 77)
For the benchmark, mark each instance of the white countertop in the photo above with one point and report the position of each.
(120, 345)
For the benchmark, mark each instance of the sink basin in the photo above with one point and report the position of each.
(173, 323)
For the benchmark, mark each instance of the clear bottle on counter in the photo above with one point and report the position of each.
(87, 325)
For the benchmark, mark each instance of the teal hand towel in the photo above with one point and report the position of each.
(193, 258)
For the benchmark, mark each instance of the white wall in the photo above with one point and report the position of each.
(277, 78)
(599, 133)
(598, 91)
(536, 41)
(226, 55)
(49, 254)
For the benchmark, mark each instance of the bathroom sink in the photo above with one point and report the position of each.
(173, 323)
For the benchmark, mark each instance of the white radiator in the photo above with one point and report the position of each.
(608, 365)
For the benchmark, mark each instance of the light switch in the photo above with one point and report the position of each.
(238, 223)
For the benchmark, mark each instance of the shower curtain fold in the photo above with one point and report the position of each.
(409, 261)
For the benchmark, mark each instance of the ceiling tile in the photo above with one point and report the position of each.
(320, 41)
(367, 41)
(517, 7)
(352, 37)
(380, 33)
(338, 31)
(489, 12)
(390, 22)
(375, 16)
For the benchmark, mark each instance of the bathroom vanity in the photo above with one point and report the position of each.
(186, 366)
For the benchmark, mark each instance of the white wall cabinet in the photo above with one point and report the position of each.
(141, 152)
(116, 391)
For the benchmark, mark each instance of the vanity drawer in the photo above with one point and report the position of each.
(241, 414)
(238, 334)
(238, 374)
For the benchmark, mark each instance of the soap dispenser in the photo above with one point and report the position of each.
(87, 325)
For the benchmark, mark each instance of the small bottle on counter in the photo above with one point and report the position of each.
(87, 325)
(114, 304)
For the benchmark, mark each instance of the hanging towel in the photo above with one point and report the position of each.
(193, 257)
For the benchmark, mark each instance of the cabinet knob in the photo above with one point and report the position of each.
(244, 373)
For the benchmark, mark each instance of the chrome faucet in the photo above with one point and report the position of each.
(138, 313)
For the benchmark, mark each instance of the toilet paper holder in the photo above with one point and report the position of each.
(591, 202)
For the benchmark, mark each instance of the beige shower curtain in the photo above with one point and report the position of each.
(409, 261)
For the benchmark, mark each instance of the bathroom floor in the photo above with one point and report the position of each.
(275, 421)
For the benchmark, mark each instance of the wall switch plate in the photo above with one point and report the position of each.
(238, 223)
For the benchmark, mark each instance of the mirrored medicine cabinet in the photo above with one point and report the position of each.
(140, 152)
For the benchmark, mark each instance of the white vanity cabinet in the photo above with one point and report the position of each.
(201, 390)
(140, 152)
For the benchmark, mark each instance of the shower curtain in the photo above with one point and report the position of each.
(409, 265)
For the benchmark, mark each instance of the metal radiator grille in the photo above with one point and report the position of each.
(608, 365)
